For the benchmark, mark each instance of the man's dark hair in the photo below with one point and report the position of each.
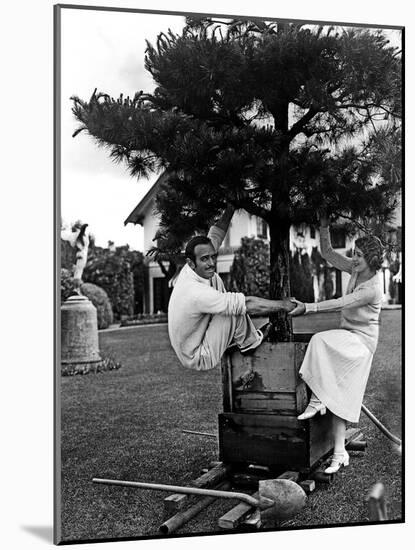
(191, 245)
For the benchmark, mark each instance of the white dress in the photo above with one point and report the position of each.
(337, 363)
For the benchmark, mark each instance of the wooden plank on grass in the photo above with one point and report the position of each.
(237, 515)
(177, 520)
(308, 485)
(253, 521)
(175, 502)
(352, 434)
(212, 477)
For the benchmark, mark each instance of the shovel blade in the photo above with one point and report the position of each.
(287, 496)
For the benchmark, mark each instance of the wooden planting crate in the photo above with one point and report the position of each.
(262, 397)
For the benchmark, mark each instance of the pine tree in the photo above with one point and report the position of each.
(278, 119)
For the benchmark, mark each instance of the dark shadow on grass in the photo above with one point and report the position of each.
(44, 532)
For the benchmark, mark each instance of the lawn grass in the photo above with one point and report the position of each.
(126, 424)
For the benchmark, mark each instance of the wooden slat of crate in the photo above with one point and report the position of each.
(265, 402)
(273, 365)
(301, 388)
(226, 368)
(322, 444)
(269, 440)
(301, 398)
(326, 320)
(276, 369)
(321, 437)
(242, 420)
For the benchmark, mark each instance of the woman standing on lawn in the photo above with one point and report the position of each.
(337, 362)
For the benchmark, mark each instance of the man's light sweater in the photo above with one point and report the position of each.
(193, 302)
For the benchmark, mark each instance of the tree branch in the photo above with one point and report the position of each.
(252, 208)
(163, 268)
(367, 106)
(362, 227)
(299, 125)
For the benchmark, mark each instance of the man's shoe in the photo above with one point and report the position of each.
(251, 349)
(267, 330)
(264, 332)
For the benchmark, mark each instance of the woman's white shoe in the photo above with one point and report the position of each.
(312, 409)
(337, 461)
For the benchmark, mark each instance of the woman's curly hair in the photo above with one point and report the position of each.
(373, 251)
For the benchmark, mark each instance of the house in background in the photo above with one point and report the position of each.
(302, 239)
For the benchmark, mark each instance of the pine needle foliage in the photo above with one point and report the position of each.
(279, 119)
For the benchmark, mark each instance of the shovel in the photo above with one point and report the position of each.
(278, 498)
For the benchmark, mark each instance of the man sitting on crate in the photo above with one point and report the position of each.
(203, 319)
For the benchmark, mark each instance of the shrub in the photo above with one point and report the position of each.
(144, 319)
(301, 277)
(120, 273)
(94, 293)
(67, 285)
(108, 363)
(100, 299)
(249, 272)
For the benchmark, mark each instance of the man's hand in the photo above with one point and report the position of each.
(298, 308)
(288, 305)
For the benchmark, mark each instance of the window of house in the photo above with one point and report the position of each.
(312, 232)
(338, 237)
(161, 294)
(261, 228)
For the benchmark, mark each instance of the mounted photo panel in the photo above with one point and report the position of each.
(229, 282)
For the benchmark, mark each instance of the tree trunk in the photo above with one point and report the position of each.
(280, 232)
(280, 276)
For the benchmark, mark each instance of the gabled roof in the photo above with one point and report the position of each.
(140, 211)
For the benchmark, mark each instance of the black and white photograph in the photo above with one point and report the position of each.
(229, 241)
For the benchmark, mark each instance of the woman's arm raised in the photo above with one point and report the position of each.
(337, 260)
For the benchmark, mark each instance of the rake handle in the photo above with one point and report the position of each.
(381, 427)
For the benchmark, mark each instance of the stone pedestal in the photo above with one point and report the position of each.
(79, 336)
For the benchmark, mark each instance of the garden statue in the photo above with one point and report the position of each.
(79, 238)
(79, 327)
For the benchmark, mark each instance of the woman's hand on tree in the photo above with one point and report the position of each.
(299, 308)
